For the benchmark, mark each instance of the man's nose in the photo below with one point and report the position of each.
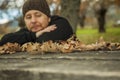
(33, 20)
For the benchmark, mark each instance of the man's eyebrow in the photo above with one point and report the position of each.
(37, 13)
(27, 14)
(33, 13)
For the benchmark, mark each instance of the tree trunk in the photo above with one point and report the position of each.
(101, 19)
(82, 20)
(70, 10)
(100, 11)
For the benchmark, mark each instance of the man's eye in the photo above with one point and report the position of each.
(38, 15)
(28, 17)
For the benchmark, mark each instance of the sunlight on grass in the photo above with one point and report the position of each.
(1, 36)
(91, 35)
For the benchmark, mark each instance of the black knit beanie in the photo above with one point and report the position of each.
(40, 5)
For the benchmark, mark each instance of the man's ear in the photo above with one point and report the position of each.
(49, 19)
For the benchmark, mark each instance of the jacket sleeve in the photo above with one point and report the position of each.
(63, 31)
(20, 37)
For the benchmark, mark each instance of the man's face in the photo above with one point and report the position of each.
(36, 20)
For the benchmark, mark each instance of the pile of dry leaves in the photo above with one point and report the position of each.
(71, 45)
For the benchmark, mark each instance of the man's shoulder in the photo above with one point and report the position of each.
(58, 20)
(22, 30)
(57, 17)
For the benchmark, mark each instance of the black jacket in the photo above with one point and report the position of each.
(63, 32)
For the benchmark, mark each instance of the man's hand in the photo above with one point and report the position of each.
(47, 29)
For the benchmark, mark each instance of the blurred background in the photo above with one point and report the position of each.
(90, 19)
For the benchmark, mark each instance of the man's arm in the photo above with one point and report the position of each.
(20, 37)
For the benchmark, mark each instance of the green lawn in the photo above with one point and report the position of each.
(91, 35)
(1, 36)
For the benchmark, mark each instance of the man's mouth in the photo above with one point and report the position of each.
(35, 28)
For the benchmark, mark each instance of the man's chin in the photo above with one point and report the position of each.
(36, 30)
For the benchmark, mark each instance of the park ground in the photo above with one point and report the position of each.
(91, 35)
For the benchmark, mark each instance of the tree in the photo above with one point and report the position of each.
(117, 2)
(4, 4)
(100, 11)
(70, 9)
(101, 8)
(82, 13)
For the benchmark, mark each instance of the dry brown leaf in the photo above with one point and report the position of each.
(49, 46)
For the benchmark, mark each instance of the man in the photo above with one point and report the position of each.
(40, 25)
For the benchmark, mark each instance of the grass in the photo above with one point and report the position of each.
(92, 35)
